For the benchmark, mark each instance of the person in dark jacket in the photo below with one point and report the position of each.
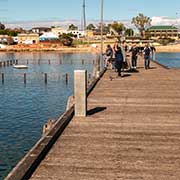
(147, 53)
(119, 57)
(109, 55)
(135, 51)
(153, 52)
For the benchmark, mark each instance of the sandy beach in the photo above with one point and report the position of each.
(168, 48)
(80, 48)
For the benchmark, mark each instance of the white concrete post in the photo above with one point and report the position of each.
(80, 88)
(96, 70)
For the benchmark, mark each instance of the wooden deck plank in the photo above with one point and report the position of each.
(132, 131)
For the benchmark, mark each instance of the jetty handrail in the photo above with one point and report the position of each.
(28, 164)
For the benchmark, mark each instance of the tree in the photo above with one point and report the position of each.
(129, 32)
(72, 27)
(90, 27)
(8, 32)
(141, 22)
(118, 27)
(2, 26)
(66, 39)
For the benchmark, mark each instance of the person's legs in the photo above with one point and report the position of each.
(107, 61)
(128, 62)
(118, 65)
(135, 62)
(110, 64)
(132, 62)
(120, 68)
(146, 62)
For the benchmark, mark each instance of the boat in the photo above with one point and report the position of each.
(20, 66)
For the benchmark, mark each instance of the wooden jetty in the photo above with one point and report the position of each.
(132, 131)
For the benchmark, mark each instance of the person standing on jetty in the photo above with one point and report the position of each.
(153, 52)
(135, 51)
(119, 57)
(109, 55)
(147, 53)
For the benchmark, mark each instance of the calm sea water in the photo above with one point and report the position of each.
(171, 60)
(24, 108)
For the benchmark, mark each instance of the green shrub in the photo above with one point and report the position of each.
(166, 41)
(66, 39)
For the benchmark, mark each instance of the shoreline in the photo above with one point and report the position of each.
(44, 49)
(168, 48)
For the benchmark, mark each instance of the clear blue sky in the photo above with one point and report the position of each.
(27, 10)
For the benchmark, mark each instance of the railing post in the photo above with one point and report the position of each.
(96, 70)
(67, 78)
(80, 91)
(11, 62)
(2, 78)
(45, 78)
(24, 78)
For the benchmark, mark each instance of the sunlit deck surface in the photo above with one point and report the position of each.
(132, 131)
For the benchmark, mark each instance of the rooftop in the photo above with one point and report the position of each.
(163, 28)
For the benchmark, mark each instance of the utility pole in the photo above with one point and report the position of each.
(84, 16)
(102, 6)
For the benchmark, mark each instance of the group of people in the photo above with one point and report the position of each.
(119, 54)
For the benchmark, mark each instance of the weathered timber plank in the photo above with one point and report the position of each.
(132, 131)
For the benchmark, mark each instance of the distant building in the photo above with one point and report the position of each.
(48, 36)
(160, 32)
(3, 39)
(2, 46)
(15, 39)
(58, 31)
(179, 33)
(76, 33)
(28, 38)
(40, 30)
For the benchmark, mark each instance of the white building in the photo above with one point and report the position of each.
(28, 38)
(58, 31)
(2, 46)
(76, 33)
(40, 30)
(48, 36)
